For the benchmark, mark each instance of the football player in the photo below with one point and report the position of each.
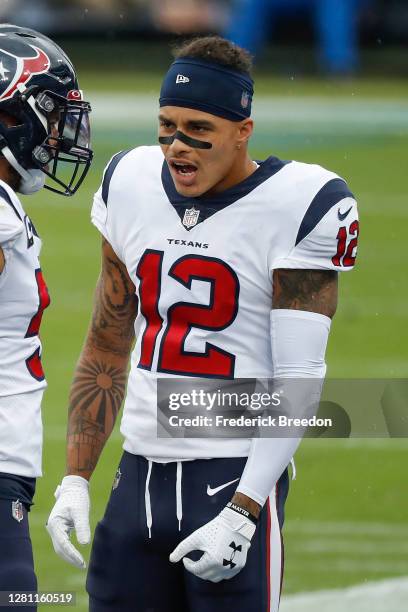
(43, 126)
(221, 267)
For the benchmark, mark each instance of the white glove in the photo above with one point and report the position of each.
(225, 542)
(70, 512)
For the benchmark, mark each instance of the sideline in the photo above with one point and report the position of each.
(384, 596)
(388, 116)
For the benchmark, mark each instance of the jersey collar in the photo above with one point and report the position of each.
(209, 205)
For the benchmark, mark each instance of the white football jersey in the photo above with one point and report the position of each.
(23, 297)
(203, 271)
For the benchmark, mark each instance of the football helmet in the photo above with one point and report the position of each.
(49, 135)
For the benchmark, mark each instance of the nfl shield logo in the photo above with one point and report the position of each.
(190, 217)
(245, 99)
(17, 510)
(116, 480)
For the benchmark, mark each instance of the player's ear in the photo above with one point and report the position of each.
(245, 130)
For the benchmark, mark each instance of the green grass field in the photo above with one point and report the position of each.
(346, 517)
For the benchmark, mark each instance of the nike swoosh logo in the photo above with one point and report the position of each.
(341, 215)
(212, 492)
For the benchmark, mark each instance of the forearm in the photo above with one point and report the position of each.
(96, 396)
(98, 388)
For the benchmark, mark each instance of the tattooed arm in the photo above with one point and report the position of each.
(312, 290)
(99, 382)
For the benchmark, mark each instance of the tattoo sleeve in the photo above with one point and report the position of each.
(99, 382)
(312, 290)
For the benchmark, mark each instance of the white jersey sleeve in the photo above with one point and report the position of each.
(327, 235)
(11, 224)
(100, 210)
(99, 214)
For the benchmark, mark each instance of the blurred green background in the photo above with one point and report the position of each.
(346, 517)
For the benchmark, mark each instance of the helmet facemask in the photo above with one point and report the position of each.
(64, 155)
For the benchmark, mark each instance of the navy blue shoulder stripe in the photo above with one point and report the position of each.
(333, 192)
(5, 196)
(109, 173)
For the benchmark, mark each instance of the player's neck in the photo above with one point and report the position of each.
(8, 175)
(239, 172)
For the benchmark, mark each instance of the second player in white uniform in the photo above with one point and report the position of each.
(42, 116)
(22, 379)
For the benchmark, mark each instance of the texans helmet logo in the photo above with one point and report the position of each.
(25, 68)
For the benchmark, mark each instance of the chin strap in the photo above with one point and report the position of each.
(32, 180)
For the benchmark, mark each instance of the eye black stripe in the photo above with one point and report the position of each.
(191, 142)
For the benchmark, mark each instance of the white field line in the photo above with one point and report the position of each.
(362, 114)
(356, 546)
(384, 596)
(344, 528)
(345, 566)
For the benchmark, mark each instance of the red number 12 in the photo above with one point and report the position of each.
(184, 316)
(349, 258)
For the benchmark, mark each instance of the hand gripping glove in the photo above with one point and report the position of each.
(70, 512)
(225, 542)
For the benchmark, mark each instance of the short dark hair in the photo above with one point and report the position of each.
(218, 50)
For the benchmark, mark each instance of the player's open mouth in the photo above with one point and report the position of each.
(185, 169)
(184, 172)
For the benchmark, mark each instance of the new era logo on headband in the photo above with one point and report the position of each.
(182, 79)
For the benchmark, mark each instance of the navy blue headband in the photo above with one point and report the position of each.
(214, 89)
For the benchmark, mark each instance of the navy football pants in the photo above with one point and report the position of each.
(16, 555)
(131, 572)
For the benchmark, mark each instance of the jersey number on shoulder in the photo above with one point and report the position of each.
(183, 316)
(33, 363)
(343, 257)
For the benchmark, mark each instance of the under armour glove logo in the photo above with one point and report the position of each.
(221, 540)
(230, 561)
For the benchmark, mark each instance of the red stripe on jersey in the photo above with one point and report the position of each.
(268, 553)
(281, 538)
(43, 303)
(34, 366)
